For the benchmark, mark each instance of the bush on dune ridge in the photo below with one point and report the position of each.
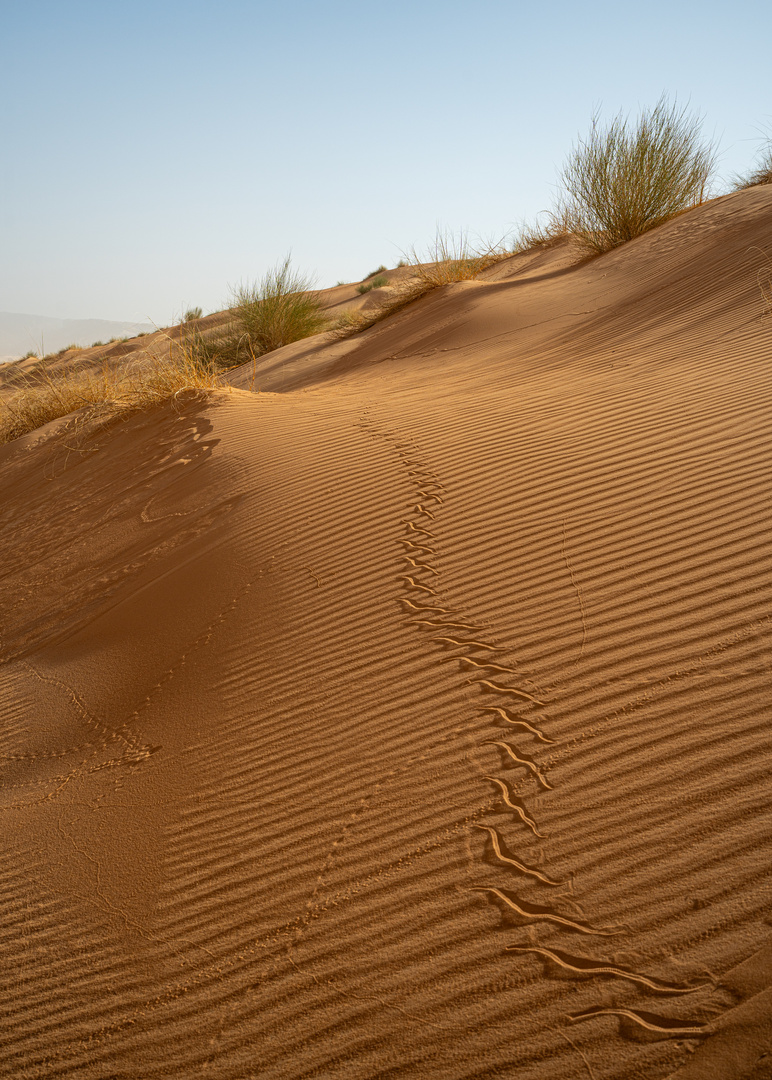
(264, 315)
(619, 182)
(278, 310)
(622, 181)
(625, 179)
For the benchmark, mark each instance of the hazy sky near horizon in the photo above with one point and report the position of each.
(154, 154)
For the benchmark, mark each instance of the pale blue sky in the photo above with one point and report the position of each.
(154, 154)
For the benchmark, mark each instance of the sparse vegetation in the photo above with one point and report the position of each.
(192, 314)
(375, 283)
(102, 392)
(96, 344)
(762, 173)
(275, 311)
(452, 258)
(372, 273)
(531, 237)
(351, 321)
(449, 258)
(622, 181)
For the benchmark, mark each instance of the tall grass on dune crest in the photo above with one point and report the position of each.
(626, 179)
(265, 315)
(103, 391)
(278, 309)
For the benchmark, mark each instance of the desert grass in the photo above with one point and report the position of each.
(452, 257)
(449, 258)
(102, 392)
(626, 179)
(542, 235)
(275, 311)
(375, 283)
(761, 174)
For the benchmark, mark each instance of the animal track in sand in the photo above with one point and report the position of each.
(421, 566)
(505, 794)
(417, 584)
(447, 625)
(479, 663)
(519, 722)
(421, 607)
(469, 644)
(415, 528)
(515, 862)
(438, 617)
(543, 914)
(665, 1024)
(507, 690)
(424, 549)
(126, 731)
(526, 762)
(582, 965)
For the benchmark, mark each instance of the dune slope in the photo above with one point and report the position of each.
(409, 717)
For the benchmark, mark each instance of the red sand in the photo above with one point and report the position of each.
(410, 717)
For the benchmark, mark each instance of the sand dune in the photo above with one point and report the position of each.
(409, 717)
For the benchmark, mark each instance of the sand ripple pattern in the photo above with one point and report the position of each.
(422, 544)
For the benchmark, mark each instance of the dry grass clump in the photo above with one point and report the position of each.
(101, 391)
(449, 258)
(623, 180)
(452, 258)
(536, 236)
(762, 174)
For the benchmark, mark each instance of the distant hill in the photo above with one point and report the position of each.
(21, 333)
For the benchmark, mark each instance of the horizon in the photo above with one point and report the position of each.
(156, 156)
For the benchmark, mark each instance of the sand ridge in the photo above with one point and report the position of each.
(408, 717)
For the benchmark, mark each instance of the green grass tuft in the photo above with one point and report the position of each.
(624, 180)
(273, 312)
(376, 283)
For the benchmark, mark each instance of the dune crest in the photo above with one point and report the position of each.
(409, 716)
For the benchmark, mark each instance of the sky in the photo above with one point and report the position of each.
(155, 155)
